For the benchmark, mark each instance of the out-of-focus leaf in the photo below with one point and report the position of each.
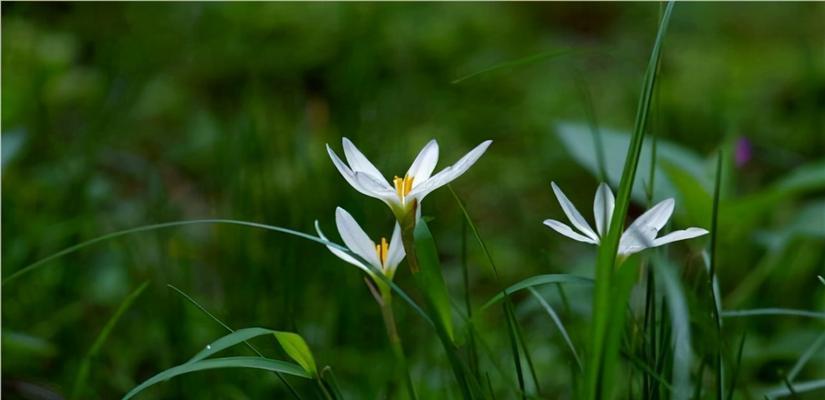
(579, 142)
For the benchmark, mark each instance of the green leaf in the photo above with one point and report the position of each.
(297, 348)
(238, 336)
(680, 321)
(579, 142)
(217, 363)
(430, 279)
(538, 280)
(803, 387)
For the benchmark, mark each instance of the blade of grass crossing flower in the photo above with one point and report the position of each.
(79, 387)
(623, 281)
(203, 309)
(595, 371)
(218, 363)
(152, 227)
(717, 319)
(559, 325)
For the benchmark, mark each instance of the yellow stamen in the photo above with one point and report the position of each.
(382, 250)
(403, 186)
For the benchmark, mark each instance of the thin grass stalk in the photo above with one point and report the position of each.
(395, 341)
(717, 319)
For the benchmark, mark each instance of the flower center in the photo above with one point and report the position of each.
(403, 185)
(382, 249)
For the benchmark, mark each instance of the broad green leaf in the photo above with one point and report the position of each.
(579, 142)
(217, 363)
(538, 280)
(297, 348)
(430, 279)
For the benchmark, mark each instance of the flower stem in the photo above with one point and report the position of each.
(395, 340)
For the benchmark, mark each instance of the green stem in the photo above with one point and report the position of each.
(395, 340)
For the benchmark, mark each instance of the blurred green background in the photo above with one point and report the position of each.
(120, 115)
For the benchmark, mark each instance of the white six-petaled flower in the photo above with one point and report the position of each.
(405, 194)
(382, 256)
(640, 235)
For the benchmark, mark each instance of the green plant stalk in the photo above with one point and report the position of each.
(395, 339)
(461, 373)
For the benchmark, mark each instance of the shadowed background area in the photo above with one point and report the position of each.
(121, 115)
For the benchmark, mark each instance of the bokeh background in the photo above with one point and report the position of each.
(121, 115)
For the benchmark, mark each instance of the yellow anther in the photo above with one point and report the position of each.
(403, 186)
(382, 250)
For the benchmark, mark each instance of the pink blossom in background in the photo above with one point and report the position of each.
(744, 151)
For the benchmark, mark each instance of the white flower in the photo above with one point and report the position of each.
(640, 235)
(382, 256)
(405, 194)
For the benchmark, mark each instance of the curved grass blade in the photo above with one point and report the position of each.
(538, 280)
(225, 342)
(217, 363)
(83, 370)
(113, 235)
(203, 309)
(717, 307)
(559, 325)
(298, 350)
(764, 312)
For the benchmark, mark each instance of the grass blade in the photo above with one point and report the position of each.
(538, 280)
(83, 370)
(559, 325)
(720, 383)
(216, 363)
(803, 387)
(203, 309)
(764, 312)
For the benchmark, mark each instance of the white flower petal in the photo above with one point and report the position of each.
(376, 189)
(359, 163)
(568, 231)
(573, 214)
(674, 236)
(340, 254)
(450, 173)
(603, 205)
(424, 163)
(636, 239)
(395, 254)
(656, 217)
(347, 173)
(355, 238)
